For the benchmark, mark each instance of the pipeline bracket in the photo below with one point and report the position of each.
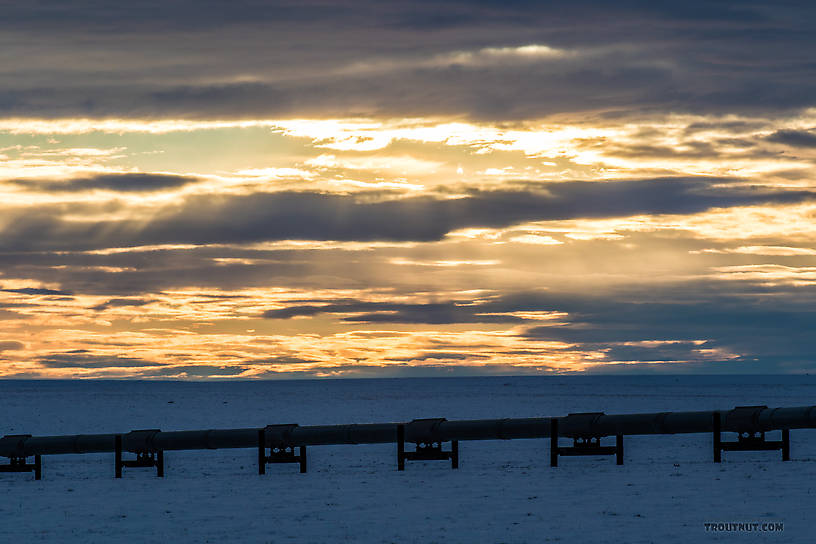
(145, 458)
(427, 449)
(280, 450)
(748, 439)
(18, 462)
(582, 444)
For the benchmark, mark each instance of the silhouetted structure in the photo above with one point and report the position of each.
(585, 429)
(582, 444)
(428, 447)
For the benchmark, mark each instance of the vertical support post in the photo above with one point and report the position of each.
(786, 444)
(303, 459)
(554, 442)
(400, 447)
(160, 464)
(38, 467)
(117, 456)
(717, 437)
(261, 452)
(454, 454)
(619, 449)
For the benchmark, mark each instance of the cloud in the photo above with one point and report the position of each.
(794, 138)
(121, 302)
(442, 58)
(124, 183)
(122, 275)
(387, 312)
(284, 361)
(80, 359)
(37, 291)
(442, 356)
(195, 371)
(208, 219)
(692, 323)
(676, 351)
(426, 235)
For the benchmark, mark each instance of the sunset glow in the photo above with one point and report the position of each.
(506, 199)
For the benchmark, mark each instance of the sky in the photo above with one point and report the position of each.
(253, 189)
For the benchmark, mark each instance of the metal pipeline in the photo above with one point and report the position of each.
(740, 419)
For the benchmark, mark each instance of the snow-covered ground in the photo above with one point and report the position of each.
(504, 491)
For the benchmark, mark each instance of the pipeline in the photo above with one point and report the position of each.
(741, 419)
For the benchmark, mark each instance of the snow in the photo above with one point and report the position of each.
(504, 491)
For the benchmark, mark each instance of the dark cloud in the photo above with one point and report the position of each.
(725, 126)
(275, 361)
(675, 351)
(304, 311)
(442, 356)
(125, 183)
(315, 216)
(313, 58)
(385, 312)
(36, 291)
(767, 329)
(11, 345)
(123, 275)
(735, 367)
(197, 371)
(794, 138)
(120, 302)
(404, 370)
(177, 15)
(142, 273)
(81, 359)
(689, 150)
